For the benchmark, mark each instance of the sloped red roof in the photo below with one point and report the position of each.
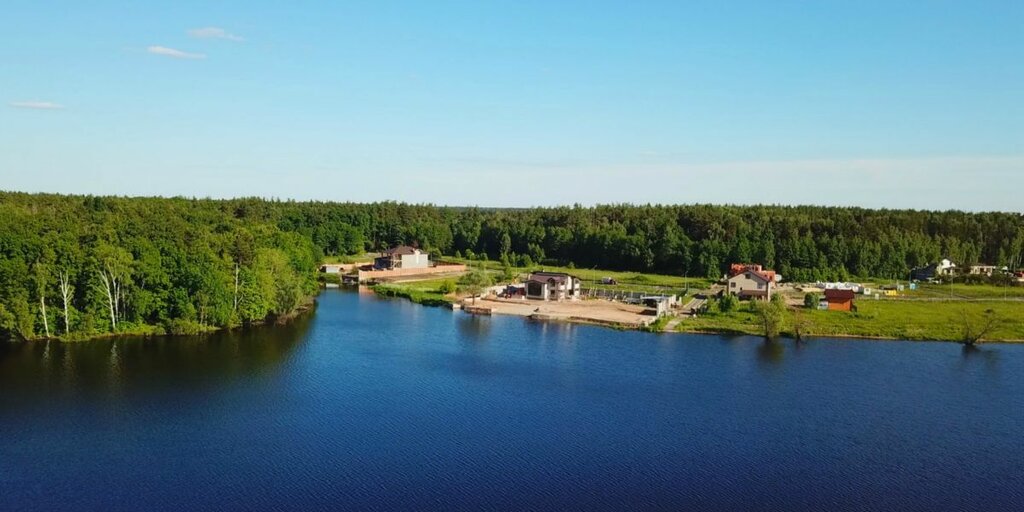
(840, 295)
(736, 269)
(764, 276)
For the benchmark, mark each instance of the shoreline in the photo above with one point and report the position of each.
(303, 309)
(727, 332)
(563, 318)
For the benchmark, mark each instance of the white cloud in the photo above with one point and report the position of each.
(171, 52)
(37, 105)
(214, 33)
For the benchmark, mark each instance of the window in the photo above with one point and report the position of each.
(732, 284)
(760, 286)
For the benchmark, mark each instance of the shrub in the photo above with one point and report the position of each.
(728, 303)
(447, 287)
(180, 326)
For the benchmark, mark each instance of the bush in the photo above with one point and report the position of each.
(811, 300)
(447, 287)
(771, 315)
(180, 326)
(728, 303)
(330, 278)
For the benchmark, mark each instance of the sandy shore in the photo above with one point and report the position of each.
(594, 311)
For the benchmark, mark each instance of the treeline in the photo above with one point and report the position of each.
(186, 264)
(803, 243)
(79, 267)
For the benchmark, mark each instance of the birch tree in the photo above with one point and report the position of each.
(41, 275)
(114, 270)
(234, 305)
(66, 291)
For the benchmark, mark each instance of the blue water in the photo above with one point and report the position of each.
(373, 404)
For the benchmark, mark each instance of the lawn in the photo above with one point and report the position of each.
(913, 320)
(350, 258)
(967, 291)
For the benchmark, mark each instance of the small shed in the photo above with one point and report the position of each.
(658, 304)
(840, 300)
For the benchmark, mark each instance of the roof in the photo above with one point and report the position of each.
(764, 276)
(400, 250)
(544, 277)
(739, 268)
(839, 295)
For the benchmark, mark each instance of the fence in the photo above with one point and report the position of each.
(367, 275)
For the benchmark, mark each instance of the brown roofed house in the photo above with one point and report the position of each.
(840, 300)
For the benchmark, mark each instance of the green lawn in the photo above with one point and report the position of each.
(348, 258)
(914, 320)
(967, 291)
(425, 285)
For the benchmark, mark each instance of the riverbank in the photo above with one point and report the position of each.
(875, 319)
(597, 312)
(879, 319)
(177, 328)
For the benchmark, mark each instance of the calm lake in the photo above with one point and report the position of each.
(374, 403)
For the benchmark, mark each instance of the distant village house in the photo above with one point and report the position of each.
(944, 267)
(400, 257)
(552, 286)
(984, 270)
(736, 269)
(752, 283)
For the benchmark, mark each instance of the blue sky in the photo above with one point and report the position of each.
(891, 104)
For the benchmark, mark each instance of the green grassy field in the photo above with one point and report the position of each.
(967, 291)
(913, 320)
(425, 285)
(345, 258)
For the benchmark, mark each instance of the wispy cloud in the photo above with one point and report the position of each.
(37, 105)
(171, 52)
(214, 33)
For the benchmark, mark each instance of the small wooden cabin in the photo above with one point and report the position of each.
(840, 300)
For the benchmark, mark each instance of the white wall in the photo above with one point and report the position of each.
(421, 260)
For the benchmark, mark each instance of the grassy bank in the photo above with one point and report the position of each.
(912, 320)
(426, 296)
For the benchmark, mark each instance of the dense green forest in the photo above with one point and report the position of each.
(79, 267)
(185, 265)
